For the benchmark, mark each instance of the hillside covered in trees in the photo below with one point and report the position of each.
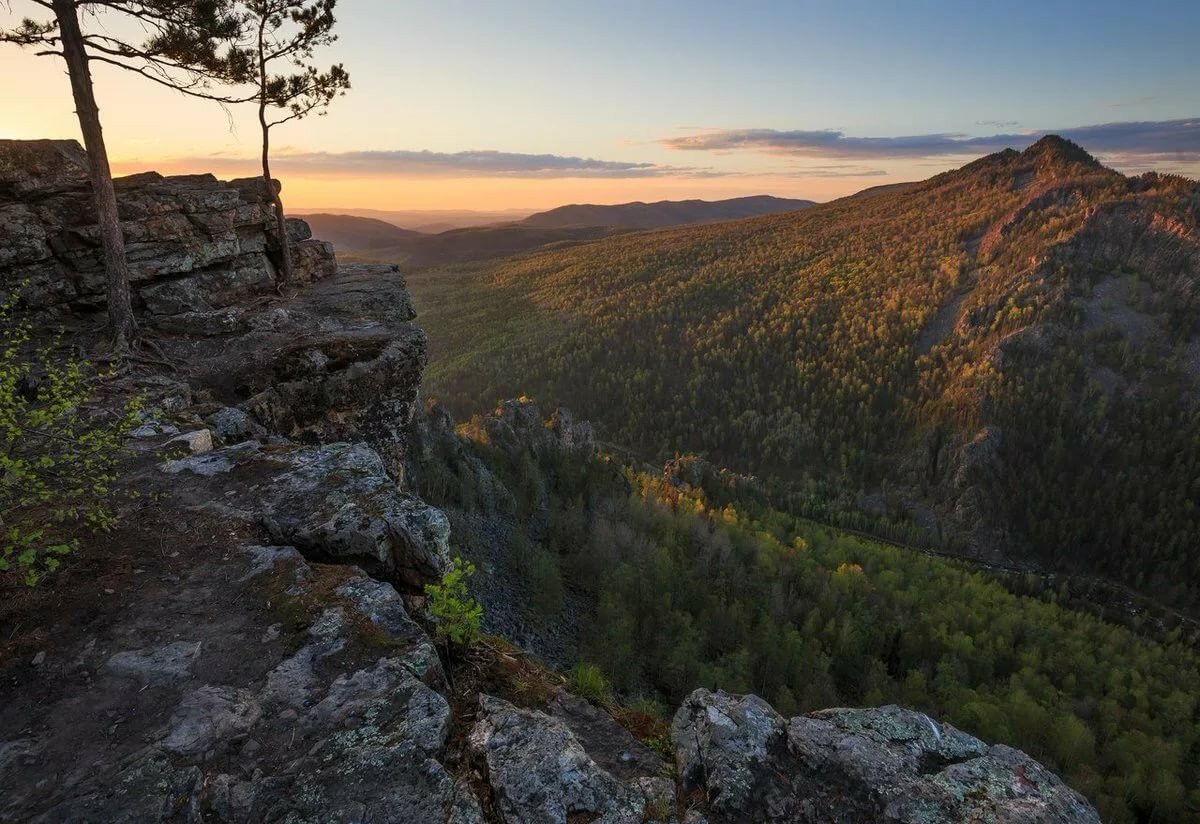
(668, 580)
(1001, 361)
(664, 213)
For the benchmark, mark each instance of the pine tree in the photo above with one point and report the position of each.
(184, 49)
(287, 33)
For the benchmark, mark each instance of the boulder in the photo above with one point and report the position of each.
(209, 716)
(365, 744)
(330, 502)
(728, 746)
(171, 662)
(196, 442)
(41, 166)
(539, 772)
(840, 766)
(608, 743)
(231, 425)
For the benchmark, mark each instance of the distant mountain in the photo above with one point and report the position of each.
(372, 239)
(1005, 357)
(426, 220)
(664, 213)
(360, 234)
(357, 235)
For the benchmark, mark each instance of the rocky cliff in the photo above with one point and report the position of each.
(249, 645)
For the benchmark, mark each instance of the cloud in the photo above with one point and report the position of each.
(1135, 101)
(1169, 139)
(835, 170)
(480, 163)
(998, 124)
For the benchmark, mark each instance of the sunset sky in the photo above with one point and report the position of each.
(534, 104)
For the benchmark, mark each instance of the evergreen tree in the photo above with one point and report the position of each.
(184, 48)
(286, 33)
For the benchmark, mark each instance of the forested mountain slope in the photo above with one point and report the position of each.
(669, 579)
(1006, 355)
(664, 213)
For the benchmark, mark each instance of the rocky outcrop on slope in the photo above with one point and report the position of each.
(337, 361)
(195, 244)
(851, 765)
(334, 715)
(540, 772)
(333, 502)
(337, 358)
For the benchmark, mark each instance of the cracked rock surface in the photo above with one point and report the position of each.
(840, 766)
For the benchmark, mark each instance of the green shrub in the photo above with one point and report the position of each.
(58, 455)
(587, 681)
(455, 613)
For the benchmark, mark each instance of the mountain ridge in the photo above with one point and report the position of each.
(663, 213)
(900, 355)
(374, 239)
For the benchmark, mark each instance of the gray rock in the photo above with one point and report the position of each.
(379, 732)
(338, 500)
(540, 774)
(850, 765)
(724, 743)
(194, 244)
(210, 716)
(607, 742)
(196, 442)
(29, 166)
(298, 229)
(172, 662)
(208, 291)
(380, 602)
(331, 501)
(154, 429)
(905, 767)
(231, 425)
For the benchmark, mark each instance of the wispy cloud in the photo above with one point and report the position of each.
(997, 124)
(1135, 101)
(481, 163)
(1177, 140)
(835, 170)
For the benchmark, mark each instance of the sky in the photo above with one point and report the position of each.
(529, 104)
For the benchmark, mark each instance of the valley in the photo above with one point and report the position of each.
(955, 363)
(374, 240)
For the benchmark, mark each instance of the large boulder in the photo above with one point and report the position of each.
(331, 502)
(540, 773)
(850, 765)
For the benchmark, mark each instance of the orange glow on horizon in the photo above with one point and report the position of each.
(386, 192)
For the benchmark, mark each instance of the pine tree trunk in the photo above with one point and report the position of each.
(285, 248)
(122, 326)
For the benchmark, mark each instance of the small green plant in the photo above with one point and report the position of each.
(588, 681)
(456, 614)
(58, 457)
